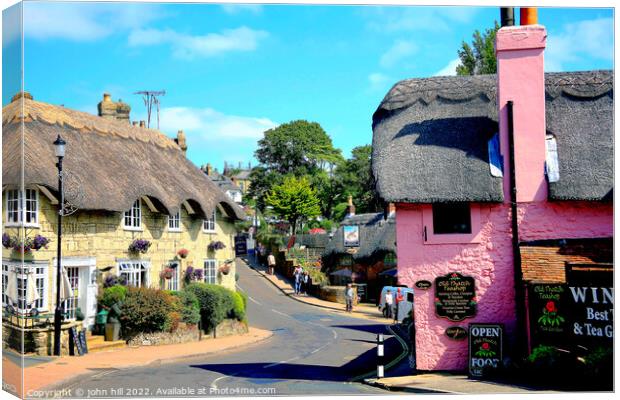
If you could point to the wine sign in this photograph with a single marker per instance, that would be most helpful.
(456, 332)
(455, 297)
(485, 348)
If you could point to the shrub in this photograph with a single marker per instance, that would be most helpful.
(112, 295)
(186, 303)
(145, 310)
(238, 306)
(216, 303)
(112, 280)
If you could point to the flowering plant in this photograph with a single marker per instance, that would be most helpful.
(183, 253)
(113, 280)
(139, 245)
(216, 245)
(36, 243)
(193, 274)
(225, 269)
(167, 273)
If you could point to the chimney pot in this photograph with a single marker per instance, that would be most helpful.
(529, 16)
(107, 97)
(142, 124)
(135, 123)
(181, 141)
(507, 16)
(350, 207)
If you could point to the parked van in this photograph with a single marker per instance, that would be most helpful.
(405, 307)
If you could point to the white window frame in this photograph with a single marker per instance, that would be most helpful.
(134, 269)
(208, 225)
(134, 214)
(210, 271)
(20, 211)
(174, 283)
(39, 271)
(174, 222)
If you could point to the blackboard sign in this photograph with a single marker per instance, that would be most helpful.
(241, 246)
(74, 342)
(456, 332)
(548, 314)
(455, 297)
(485, 348)
(83, 341)
(423, 285)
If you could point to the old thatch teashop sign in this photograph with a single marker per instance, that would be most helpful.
(455, 297)
(485, 348)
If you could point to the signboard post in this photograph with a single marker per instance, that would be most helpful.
(485, 348)
(455, 297)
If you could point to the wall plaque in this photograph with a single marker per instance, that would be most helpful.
(455, 297)
(485, 348)
(456, 332)
(423, 285)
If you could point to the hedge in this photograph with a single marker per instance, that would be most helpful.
(187, 305)
(216, 303)
(146, 310)
(112, 295)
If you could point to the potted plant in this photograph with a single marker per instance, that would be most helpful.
(183, 253)
(139, 246)
(225, 269)
(167, 273)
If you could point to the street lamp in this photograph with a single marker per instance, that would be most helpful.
(59, 146)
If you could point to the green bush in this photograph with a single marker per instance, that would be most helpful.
(112, 295)
(544, 357)
(188, 306)
(238, 306)
(216, 303)
(145, 310)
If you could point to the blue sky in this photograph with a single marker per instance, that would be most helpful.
(231, 72)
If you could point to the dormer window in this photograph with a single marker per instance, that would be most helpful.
(133, 217)
(174, 222)
(22, 207)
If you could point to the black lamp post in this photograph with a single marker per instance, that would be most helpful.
(59, 145)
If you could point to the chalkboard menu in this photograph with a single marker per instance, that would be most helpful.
(485, 348)
(455, 297)
(75, 342)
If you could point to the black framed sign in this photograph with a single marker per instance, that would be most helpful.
(456, 332)
(485, 348)
(455, 297)
(423, 285)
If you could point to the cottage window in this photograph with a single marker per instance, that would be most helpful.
(208, 225)
(346, 260)
(23, 272)
(70, 305)
(210, 271)
(174, 222)
(135, 272)
(173, 283)
(133, 217)
(389, 260)
(449, 218)
(22, 207)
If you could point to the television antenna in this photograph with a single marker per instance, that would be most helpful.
(150, 98)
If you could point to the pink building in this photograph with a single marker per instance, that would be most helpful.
(442, 153)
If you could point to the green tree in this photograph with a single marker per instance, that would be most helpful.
(354, 178)
(294, 200)
(479, 58)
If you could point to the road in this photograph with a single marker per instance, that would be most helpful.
(313, 351)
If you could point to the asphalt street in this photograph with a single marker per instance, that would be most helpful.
(312, 352)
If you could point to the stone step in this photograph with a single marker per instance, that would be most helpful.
(97, 343)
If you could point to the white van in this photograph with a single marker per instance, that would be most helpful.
(405, 307)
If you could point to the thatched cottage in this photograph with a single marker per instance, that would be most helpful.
(504, 179)
(125, 183)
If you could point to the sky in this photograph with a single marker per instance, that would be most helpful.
(231, 72)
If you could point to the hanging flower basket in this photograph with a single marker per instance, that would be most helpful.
(216, 245)
(183, 253)
(139, 246)
(193, 274)
(13, 242)
(167, 273)
(225, 269)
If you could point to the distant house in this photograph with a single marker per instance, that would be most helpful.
(442, 153)
(127, 182)
(242, 179)
(364, 263)
(224, 183)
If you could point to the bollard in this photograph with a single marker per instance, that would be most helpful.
(379, 355)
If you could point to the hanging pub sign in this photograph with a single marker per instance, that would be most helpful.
(455, 297)
(456, 332)
(548, 314)
(241, 245)
(423, 285)
(485, 348)
(351, 235)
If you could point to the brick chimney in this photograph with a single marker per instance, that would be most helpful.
(521, 79)
(142, 124)
(209, 169)
(113, 110)
(350, 208)
(181, 141)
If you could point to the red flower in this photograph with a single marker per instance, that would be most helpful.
(485, 346)
(550, 306)
(436, 299)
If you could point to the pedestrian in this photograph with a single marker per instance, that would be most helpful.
(297, 274)
(271, 263)
(399, 298)
(305, 282)
(348, 295)
(389, 303)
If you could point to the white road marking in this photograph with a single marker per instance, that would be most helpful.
(213, 384)
(280, 362)
(335, 334)
(254, 301)
(281, 313)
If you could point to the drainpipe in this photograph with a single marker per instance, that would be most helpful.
(521, 332)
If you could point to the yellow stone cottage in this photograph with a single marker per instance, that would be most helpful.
(126, 182)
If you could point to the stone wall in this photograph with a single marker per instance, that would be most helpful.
(37, 341)
(191, 333)
(335, 294)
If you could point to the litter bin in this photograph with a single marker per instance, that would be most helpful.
(113, 325)
(100, 320)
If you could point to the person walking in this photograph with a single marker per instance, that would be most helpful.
(298, 277)
(271, 263)
(348, 296)
(389, 303)
(399, 298)
(304, 283)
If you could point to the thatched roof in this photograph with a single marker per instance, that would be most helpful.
(115, 162)
(314, 241)
(430, 138)
(377, 237)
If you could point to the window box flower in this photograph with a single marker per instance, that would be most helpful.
(13, 242)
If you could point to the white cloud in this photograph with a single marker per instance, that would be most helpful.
(378, 81)
(239, 8)
(416, 18)
(84, 21)
(400, 49)
(450, 69)
(213, 126)
(580, 41)
(188, 46)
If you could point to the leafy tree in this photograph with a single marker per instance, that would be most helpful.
(479, 58)
(294, 200)
(354, 178)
